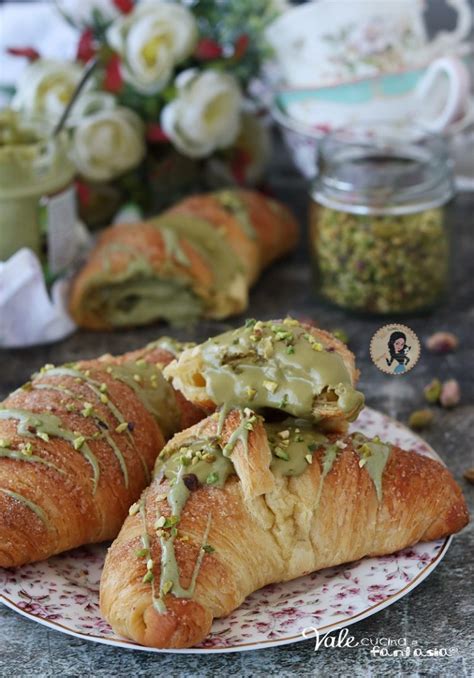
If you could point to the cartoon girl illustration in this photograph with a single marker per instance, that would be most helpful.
(398, 352)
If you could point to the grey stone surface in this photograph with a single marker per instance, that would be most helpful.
(437, 614)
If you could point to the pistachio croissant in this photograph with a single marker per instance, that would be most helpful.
(284, 365)
(77, 444)
(197, 259)
(237, 503)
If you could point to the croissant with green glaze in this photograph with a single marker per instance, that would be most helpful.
(275, 364)
(197, 259)
(77, 445)
(238, 503)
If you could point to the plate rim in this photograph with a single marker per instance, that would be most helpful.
(243, 647)
(262, 644)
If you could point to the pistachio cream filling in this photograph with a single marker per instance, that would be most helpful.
(139, 300)
(277, 365)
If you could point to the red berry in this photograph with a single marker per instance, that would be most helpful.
(155, 133)
(113, 78)
(29, 52)
(125, 6)
(208, 49)
(241, 46)
(86, 48)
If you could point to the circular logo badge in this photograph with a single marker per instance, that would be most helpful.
(395, 349)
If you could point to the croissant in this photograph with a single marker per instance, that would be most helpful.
(284, 365)
(239, 503)
(77, 444)
(197, 259)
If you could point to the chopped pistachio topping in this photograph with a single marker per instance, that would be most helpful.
(78, 442)
(270, 385)
(87, 410)
(44, 436)
(160, 522)
(167, 586)
(141, 553)
(280, 452)
(309, 458)
(207, 548)
(103, 387)
(134, 508)
(171, 521)
(70, 407)
(149, 564)
(212, 478)
(148, 577)
(122, 427)
(103, 398)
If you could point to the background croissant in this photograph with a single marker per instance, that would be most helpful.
(77, 444)
(261, 527)
(198, 258)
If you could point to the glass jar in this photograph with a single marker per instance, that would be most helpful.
(377, 227)
(37, 198)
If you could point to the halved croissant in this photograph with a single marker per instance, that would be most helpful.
(261, 526)
(242, 367)
(198, 258)
(77, 445)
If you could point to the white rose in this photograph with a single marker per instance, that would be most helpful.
(151, 40)
(81, 12)
(108, 143)
(90, 103)
(45, 87)
(205, 115)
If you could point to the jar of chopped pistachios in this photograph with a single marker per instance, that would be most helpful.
(378, 234)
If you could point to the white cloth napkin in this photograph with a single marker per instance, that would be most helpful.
(28, 314)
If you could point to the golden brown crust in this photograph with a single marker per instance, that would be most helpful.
(63, 491)
(273, 533)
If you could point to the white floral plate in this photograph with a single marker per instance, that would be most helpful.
(63, 592)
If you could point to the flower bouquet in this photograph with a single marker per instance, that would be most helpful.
(168, 109)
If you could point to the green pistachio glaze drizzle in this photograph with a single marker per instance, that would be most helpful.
(233, 204)
(22, 454)
(171, 345)
(28, 503)
(292, 443)
(373, 455)
(43, 424)
(152, 389)
(277, 365)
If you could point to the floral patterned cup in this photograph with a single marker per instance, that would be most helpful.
(333, 41)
